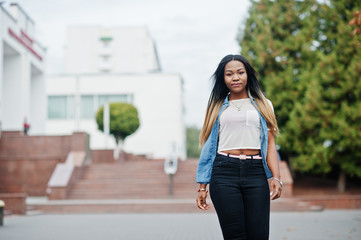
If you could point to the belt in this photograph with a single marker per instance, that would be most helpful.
(241, 156)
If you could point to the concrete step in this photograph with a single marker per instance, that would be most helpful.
(166, 205)
(117, 206)
(291, 204)
(129, 196)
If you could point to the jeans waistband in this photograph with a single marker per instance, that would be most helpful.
(241, 157)
(229, 159)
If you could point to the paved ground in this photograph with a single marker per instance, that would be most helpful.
(330, 225)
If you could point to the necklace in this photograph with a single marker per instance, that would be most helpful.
(238, 107)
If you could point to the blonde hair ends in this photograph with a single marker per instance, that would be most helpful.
(211, 117)
(266, 111)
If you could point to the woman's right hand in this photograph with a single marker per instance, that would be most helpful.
(201, 201)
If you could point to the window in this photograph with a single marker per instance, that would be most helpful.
(71, 107)
(90, 104)
(61, 107)
(106, 40)
(106, 44)
(106, 59)
(113, 98)
(87, 106)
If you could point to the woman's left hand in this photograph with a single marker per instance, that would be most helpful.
(276, 189)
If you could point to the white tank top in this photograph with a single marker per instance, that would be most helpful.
(240, 126)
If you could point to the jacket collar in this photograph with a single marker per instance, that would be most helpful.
(225, 102)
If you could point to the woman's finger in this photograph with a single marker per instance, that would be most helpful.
(201, 201)
(279, 192)
(273, 194)
(204, 202)
(275, 191)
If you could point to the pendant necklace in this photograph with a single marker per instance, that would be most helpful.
(238, 108)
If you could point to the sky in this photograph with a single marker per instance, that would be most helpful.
(191, 36)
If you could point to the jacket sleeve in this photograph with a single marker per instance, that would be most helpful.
(207, 156)
(202, 168)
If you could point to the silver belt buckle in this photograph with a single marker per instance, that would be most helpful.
(242, 157)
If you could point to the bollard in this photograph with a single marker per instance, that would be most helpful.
(2, 206)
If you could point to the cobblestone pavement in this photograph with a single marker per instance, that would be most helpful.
(203, 226)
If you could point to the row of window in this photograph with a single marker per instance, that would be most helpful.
(63, 107)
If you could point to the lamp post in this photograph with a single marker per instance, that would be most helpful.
(170, 168)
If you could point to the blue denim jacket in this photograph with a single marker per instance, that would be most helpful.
(210, 147)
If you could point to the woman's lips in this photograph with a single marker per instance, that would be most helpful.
(236, 85)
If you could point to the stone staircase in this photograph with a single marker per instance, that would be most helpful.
(137, 186)
(140, 179)
(126, 186)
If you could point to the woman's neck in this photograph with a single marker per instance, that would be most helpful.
(236, 96)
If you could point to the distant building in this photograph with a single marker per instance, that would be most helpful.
(110, 50)
(117, 64)
(22, 66)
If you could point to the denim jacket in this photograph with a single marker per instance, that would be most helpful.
(210, 147)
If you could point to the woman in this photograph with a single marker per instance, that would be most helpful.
(239, 152)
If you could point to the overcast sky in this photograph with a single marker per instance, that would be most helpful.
(191, 35)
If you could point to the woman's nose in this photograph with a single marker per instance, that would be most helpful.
(235, 77)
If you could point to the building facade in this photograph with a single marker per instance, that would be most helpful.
(110, 50)
(118, 64)
(22, 67)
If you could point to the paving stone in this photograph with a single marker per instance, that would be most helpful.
(329, 224)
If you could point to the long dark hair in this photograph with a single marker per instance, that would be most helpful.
(220, 92)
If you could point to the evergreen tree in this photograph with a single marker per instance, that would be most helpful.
(310, 66)
(331, 111)
(277, 40)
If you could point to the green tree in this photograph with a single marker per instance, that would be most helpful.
(331, 110)
(309, 65)
(277, 39)
(193, 150)
(356, 21)
(123, 121)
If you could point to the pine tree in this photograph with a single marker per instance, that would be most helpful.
(276, 40)
(331, 111)
(309, 65)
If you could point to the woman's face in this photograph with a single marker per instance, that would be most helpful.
(235, 77)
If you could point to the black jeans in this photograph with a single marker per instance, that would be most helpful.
(240, 194)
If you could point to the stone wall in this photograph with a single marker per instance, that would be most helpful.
(15, 203)
(27, 162)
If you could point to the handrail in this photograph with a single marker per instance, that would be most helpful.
(60, 180)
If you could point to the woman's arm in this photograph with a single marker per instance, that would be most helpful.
(272, 161)
(201, 198)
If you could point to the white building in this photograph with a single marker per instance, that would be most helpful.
(117, 50)
(22, 65)
(117, 65)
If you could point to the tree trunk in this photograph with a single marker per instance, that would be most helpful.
(341, 183)
(118, 150)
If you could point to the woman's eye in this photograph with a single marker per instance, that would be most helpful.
(228, 74)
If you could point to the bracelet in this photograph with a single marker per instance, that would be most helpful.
(281, 183)
(202, 190)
